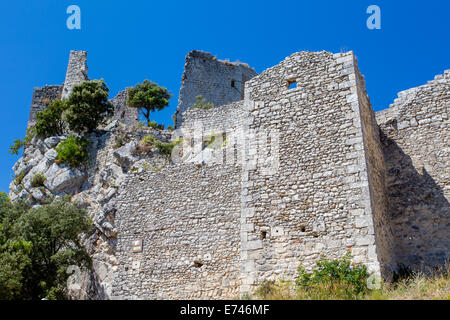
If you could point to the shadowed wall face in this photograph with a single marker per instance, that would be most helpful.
(42, 97)
(415, 136)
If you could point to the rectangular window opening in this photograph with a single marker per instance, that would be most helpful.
(292, 84)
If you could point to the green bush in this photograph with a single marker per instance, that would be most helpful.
(88, 106)
(167, 148)
(200, 103)
(49, 122)
(72, 151)
(346, 279)
(18, 179)
(37, 246)
(38, 180)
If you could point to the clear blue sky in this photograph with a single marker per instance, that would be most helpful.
(129, 41)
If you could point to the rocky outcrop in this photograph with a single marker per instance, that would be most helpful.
(93, 186)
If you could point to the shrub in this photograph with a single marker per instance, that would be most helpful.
(119, 141)
(18, 179)
(20, 143)
(167, 148)
(72, 151)
(50, 121)
(88, 106)
(339, 278)
(153, 124)
(200, 103)
(38, 180)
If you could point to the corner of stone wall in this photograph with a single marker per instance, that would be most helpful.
(379, 237)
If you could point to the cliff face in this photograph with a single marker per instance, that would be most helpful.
(113, 154)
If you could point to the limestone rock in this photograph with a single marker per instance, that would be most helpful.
(64, 178)
(124, 155)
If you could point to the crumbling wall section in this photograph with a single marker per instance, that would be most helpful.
(128, 116)
(415, 136)
(219, 82)
(77, 71)
(42, 97)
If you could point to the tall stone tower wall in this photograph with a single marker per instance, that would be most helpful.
(321, 199)
(415, 138)
(77, 71)
(219, 82)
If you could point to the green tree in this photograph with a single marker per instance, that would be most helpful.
(37, 246)
(49, 122)
(88, 106)
(148, 97)
(20, 143)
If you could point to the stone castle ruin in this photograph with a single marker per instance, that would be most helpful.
(289, 165)
(77, 72)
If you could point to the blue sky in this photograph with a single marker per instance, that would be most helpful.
(129, 41)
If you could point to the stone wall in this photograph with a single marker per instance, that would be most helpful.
(318, 202)
(128, 116)
(42, 97)
(77, 71)
(187, 218)
(415, 137)
(219, 82)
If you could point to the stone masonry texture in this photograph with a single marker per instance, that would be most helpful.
(77, 71)
(290, 165)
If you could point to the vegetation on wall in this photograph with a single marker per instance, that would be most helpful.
(49, 122)
(148, 142)
(200, 103)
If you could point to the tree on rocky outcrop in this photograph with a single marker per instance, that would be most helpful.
(37, 245)
(49, 122)
(88, 106)
(148, 97)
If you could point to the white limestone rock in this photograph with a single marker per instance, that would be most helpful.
(124, 155)
(64, 178)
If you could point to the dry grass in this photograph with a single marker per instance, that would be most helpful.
(416, 287)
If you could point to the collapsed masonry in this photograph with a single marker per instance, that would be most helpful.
(290, 165)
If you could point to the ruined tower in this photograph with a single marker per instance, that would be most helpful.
(219, 82)
(77, 71)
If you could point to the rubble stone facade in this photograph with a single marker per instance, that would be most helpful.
(290, 165)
